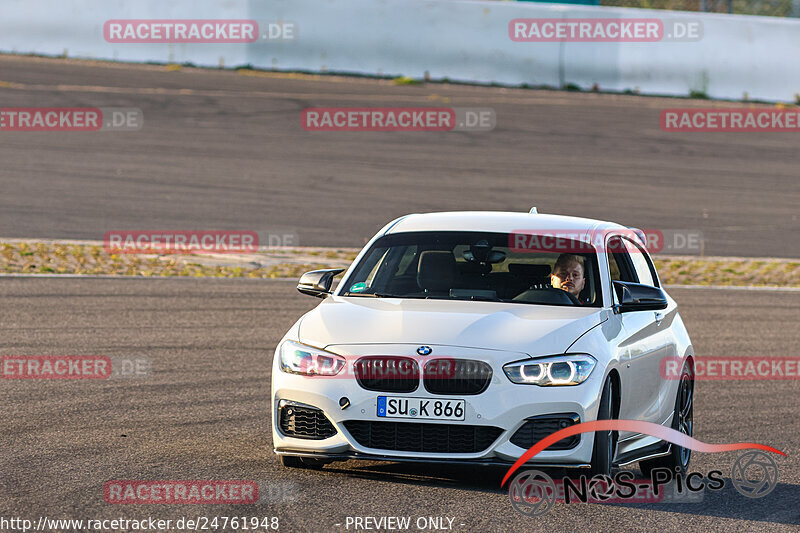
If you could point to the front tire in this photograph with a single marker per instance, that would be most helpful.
(683, 421)
(605, 442)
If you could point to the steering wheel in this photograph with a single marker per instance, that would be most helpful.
(574, 299)
(547, 296)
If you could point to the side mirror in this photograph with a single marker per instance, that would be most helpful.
(318, 282)
(638, 297)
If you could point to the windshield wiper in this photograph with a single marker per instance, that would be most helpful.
(479, 298)
(371, 294)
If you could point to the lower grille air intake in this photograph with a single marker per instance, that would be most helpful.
(539, 427)
(304, 423)
(419, 437)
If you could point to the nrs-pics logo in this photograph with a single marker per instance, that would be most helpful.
(754, 474)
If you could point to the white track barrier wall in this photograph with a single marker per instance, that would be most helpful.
(456, 39)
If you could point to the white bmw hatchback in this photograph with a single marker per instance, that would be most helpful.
(468, 337)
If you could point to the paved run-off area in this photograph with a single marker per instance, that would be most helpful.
(203, 413)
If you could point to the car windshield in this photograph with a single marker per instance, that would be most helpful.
(475, 266)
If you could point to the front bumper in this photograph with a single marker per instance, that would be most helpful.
(503, 404)
(325, 457)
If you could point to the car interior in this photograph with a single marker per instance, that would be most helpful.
(475, 272)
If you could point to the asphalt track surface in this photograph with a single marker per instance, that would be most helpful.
(221, 150)
(203, 413)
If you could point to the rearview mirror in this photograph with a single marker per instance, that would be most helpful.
(318, 282)
(481, 252)
(638, 297)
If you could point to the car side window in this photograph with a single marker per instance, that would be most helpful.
(619, 261)
(613, 268)
(640, 263)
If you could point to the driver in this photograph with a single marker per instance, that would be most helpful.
(568, 274)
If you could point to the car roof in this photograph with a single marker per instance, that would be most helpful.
(496, 222)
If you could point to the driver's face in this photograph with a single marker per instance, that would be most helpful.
(569, 277)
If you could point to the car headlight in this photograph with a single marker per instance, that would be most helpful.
(551, 371)
(296, 358)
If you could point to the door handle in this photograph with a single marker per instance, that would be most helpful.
(659, 317)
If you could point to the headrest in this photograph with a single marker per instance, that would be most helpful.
(526, 270)
(437, 270)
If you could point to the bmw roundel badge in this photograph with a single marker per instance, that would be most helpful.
(424, 350)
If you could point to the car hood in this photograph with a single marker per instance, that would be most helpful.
(527, 328)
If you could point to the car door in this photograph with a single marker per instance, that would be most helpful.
(664, 402)
(644, 341)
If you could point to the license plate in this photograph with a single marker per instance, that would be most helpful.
(423, 408)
